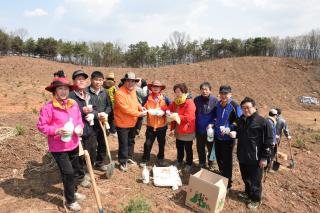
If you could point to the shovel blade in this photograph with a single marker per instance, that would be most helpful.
(275, 166)
(292, 164)
(110, 169)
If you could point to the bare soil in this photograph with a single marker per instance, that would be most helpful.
(30, 181)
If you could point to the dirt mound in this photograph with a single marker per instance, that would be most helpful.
(28, 174)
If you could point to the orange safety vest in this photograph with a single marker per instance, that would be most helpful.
(154, 120)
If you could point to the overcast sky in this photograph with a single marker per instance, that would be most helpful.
(130, 21)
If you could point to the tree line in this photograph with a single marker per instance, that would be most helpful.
(176, 50)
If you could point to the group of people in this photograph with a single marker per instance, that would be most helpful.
(124, 107)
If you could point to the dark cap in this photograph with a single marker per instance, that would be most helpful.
(225, 89)
(79, 72)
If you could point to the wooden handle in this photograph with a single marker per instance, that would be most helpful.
(106, 140)
(94, 185)
(290, 149)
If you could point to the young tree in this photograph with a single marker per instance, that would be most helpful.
(29, 46)
(16, 45)
(4, 43)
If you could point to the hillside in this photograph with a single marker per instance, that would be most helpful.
(29, 181)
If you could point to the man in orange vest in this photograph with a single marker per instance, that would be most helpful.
(156, 122)
(126, 112)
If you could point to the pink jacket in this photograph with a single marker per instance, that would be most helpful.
(51, 118)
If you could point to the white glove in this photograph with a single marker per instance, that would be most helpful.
(157, 112)
(78, 130)
(103, 116)
(233, 134)
(289, 137)
(225, 130)
(143, 113)
(90, 118)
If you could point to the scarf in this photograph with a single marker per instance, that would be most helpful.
(65, 105)
(182, 99)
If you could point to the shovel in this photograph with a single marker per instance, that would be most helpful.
(111, 165)
(94, 185)
(276, 164)
(292, 162)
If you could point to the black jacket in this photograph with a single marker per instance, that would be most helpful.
(87, 129)
(101, 102)
(254, 139)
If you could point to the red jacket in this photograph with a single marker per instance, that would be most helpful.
(186, 113)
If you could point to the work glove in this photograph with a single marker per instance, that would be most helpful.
(224, 130)
(102, 116)
(90, 119)
(78, 130)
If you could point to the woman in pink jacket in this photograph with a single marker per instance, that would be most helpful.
(60, 119)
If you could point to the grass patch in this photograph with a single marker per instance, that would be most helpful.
(20, 130)
(300, 143)
(317, 137)
(34, 111)
(138, 205)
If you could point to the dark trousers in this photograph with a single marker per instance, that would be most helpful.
(252, 176)
(126, 143)
(184, 146)
(224, 153)
(202, 143)
(70, 170)
(138, 125)
(90, 144)
(101, 146)
(151, 135)
(111, 123)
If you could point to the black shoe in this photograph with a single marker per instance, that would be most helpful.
(161, 163)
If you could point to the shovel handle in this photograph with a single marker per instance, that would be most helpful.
(105, 139)
(291, 156)
(94, 185)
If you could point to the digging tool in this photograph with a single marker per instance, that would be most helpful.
(111, 165)
(276, 164)
(94, 185)
(292, 162)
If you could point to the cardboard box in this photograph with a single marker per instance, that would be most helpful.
(206, 191)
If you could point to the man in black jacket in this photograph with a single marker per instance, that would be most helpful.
(254, 148)
(102, 102)
(81, 96)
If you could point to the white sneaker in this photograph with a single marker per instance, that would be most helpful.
(74, 206)
(132, 162)
(85, 183)
(142, 164)
(87, 177)
(124, 167)
(79, 197)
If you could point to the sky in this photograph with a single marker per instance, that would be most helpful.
(131, 21)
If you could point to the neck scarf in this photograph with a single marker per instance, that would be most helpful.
(64, 104)
(181, 100)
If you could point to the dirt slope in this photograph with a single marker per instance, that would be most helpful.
(29, 184)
